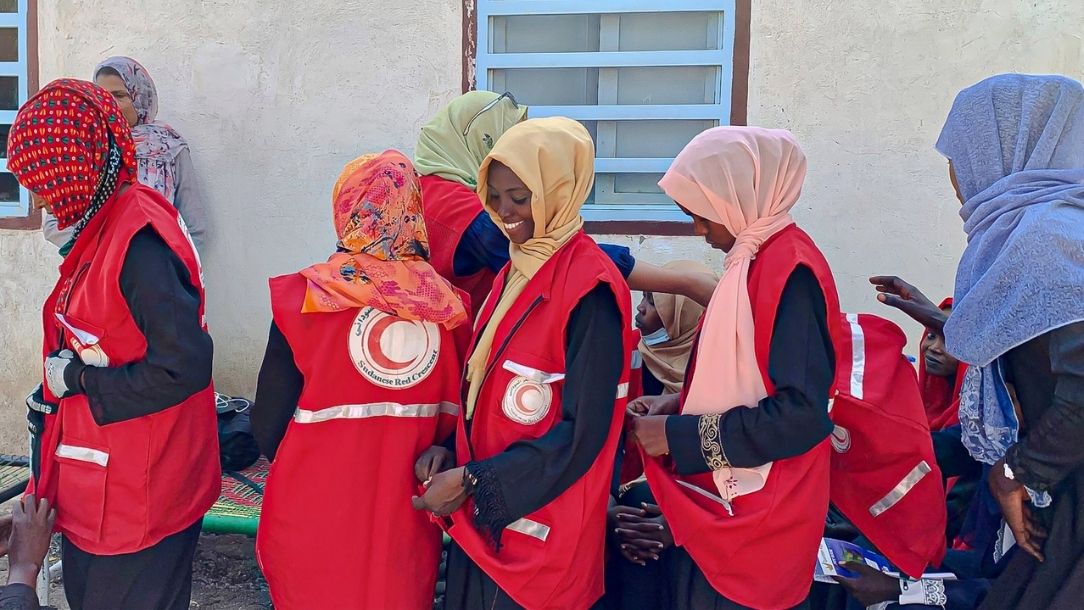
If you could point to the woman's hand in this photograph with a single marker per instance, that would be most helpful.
(444, 494)
(667, 404)
(1016, 509)
(432, 461)
(897, 293)
(643, 534)
(871, 586)
(31, 529)
(650, 432)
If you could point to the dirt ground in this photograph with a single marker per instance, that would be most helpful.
(224, 576)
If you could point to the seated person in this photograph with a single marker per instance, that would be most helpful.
(939, 377)
(669, 325)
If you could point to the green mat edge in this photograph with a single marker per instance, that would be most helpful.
(227, 524)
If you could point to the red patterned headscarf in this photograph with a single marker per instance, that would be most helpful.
(383, 257)
(71, 146)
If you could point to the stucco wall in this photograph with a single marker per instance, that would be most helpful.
(274, 97)
(274, 100)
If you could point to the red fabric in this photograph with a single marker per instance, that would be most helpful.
(449, 208)
(941, 395)
(881, 437)
(58, 144)
(632, 466)
(564, 571)
(162, 470)
(764, 555)
(337, 529)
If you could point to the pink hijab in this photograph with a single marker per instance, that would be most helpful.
(746, 179)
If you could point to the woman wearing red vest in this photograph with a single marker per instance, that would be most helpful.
(129, 450)
(468, 247)
(546, 386)
(741, 474)
(361, 375)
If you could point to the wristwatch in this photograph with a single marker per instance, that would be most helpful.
(1008, 472)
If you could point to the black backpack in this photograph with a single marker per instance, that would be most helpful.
(236, 444)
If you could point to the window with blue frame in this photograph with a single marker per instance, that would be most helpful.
(14, 201)
(643, 76)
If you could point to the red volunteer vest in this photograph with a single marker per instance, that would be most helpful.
(553, 557)
(762, 556)
(449, 208)
(885, 477)
(337, 528)
(124, 487)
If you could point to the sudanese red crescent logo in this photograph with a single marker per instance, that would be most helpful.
(841, 439)
(393, 352)
(526, 401)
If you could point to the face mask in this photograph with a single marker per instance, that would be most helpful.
(656, 338)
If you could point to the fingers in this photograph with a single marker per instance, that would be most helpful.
(651, 509)
(646, 527)
(1035, 531)
(629, 513)
(1013, 512)
(883, 282)
(418, 503)
(640, 540)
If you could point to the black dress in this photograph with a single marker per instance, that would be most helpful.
(530, 474)
(1048, 376)
(801, 364)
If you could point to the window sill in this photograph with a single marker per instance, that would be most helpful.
(22, 223)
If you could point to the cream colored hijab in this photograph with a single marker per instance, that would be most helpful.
(680, 317)
(555, 158)
(746, 179)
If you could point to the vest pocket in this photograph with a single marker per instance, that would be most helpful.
(531, 390)
(81, 488)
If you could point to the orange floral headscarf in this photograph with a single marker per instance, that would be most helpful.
(383, 254)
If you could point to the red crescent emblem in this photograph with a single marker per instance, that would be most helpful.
(377, 353)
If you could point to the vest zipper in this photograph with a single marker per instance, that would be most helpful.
(511, 333)
(64, 298)
(497, 355)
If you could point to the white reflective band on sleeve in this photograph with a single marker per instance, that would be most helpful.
(530, 374)
(858, 356)
(623, 390)
(375, 409)
(708, 495)
(637, 359)
(900, 490)
(83, 454)
(530, 528)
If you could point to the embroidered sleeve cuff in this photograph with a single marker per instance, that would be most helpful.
(711, 444)
(490, 510)
(926, 592)
(1016, 459)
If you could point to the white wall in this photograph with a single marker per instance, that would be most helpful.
(275, 98)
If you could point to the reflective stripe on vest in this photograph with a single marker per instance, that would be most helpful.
(623, 390)
(530, 528)
(375, 409)
(900, 490)
(858, 356)
(82, 454)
